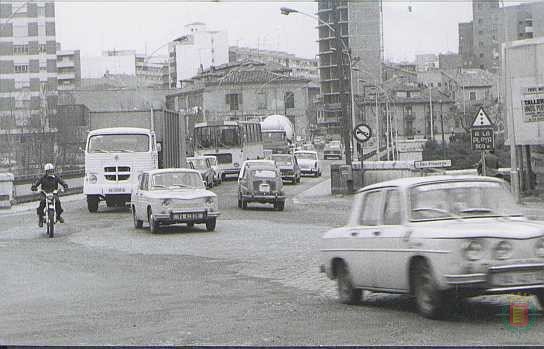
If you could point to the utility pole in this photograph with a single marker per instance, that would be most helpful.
(346, 132)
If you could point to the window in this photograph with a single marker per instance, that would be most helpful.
(472, 96)
(43, 48)
(21, 68)
(234, 100)
(20, 49)
(371, 208)
(408, 94)
(481, 55)
(289, 99)
(480, 21)
(261, 100)
(481, 44)
(392, 209)
(19, 84)
(41, 11)
(20, 31)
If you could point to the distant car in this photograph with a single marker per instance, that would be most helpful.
(261, 182)
(437, 238)
(172, 196)
(218, 172)
(203, 165)
(288, 165)
(333, 149)
(308, 161)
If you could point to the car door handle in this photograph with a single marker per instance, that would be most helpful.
(354, 233)
(377, 232)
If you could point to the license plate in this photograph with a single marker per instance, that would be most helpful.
(190, 216)
(265, 188)
(116, 190)
(518, 278)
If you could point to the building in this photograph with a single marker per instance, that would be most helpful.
(426, 62)
(68, 69)
(466, 44)
(361, 31)
(195, 51)
(449, 61)
(152, 71)
(28, 82)
(304, 67)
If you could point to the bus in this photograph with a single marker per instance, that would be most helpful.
(231, 142)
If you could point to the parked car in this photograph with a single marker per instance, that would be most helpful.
(308, 162)
(218, 172)
(436, 238)
(288, 165)
(203, 165)
(333, 149)
(261, 182)
(172, 196)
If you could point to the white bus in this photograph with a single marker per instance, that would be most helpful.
(231, 142)
(114, 159)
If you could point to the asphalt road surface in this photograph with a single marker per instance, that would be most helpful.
(254, 281)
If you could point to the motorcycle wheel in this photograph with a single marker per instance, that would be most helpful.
(51, 223)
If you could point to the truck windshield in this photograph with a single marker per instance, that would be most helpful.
(115, 143)
(217, 137)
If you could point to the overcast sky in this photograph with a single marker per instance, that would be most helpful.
(431, 26)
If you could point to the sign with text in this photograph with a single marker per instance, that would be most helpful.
(482, 138)
(532, 103)
(432, 164)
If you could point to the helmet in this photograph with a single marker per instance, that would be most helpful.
(49, 167)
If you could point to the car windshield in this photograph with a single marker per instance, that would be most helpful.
(306, 156)
(213, 161)
(118, 143)
(461, 199)
(199, 164)
(283, 160)
(264, 173)
(171, 180)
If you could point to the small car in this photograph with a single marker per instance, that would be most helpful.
(172, 196)
(436, 238)
(333, 149)
(261, 182)
(218, 172)
(308, 162)
(203, 165)
(288, 165)
(262, 162)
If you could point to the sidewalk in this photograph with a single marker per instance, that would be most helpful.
(31, 206)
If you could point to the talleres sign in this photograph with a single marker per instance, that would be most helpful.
(532, 103)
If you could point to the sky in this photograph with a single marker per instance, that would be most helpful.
(430, 26)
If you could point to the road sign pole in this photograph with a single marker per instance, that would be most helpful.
(484, 171)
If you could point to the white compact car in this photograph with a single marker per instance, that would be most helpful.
(218, 172)
(172, 196)
(308, 161)
(437, 238)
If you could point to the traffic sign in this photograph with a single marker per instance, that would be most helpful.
(482, 138)
(432, 164)
(362, 133)
(481, 119)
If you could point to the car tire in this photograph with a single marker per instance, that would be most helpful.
(430, 301)
(138, 224)
(244, 204)
(294, 181)
(540, 297)
(153, 225)
(347, 294)
(210, 224)
(190, 224)
(239, 203)
(92, 204)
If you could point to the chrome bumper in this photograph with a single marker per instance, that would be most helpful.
(169, 217)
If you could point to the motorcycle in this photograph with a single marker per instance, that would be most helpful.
(50, 212)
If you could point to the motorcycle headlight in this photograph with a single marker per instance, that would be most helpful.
(503, 250)
(91, 178)
(539, 248)
(166, 202)
(473, 250)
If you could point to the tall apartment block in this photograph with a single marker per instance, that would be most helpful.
(68, 69)
(360, 25)
(28, 64)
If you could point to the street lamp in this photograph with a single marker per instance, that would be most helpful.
(346, 118)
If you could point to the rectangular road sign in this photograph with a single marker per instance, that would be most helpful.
(482, 139)
(432, 164)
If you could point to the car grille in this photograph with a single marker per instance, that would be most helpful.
(179, 204)
(117, 173)
(286, 172)
(256, 184)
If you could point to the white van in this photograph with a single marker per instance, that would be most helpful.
(114, 159)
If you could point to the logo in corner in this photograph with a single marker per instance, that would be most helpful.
(520, 314)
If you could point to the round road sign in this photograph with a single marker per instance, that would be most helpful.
(362, 133)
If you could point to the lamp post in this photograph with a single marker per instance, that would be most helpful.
(346, 119)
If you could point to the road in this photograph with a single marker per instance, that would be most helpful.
(254, 281)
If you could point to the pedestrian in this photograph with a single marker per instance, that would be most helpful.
(491, 164)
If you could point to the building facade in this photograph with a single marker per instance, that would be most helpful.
(449, 61)
(426, 62)
(197, 50)
(68, 69)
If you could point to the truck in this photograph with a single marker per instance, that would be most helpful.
(278, 134)
(117, 155)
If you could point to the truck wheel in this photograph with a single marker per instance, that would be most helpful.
(153, 225)
(210, 224)
(138, 224)
(92, 203)
(279, 205)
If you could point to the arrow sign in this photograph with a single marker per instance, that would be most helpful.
(362, 133)
(481, 119)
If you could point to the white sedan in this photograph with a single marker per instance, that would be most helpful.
(171, 196)
(436, 238)
(308, 161)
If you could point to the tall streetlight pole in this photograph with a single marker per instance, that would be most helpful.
(346, 119)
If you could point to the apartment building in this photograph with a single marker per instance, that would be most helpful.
(68, 69)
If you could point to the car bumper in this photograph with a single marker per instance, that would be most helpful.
(263, 198)
(172, 217)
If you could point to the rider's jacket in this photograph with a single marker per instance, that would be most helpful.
(49, 183)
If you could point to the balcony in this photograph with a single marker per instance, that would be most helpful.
(65, 64)
(66, 76)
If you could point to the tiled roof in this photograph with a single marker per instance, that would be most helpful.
(254, 76)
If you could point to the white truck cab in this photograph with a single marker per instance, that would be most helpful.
(114, 159)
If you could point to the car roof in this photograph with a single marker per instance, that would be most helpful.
(305, 151)
(412, 181)
(171, 170)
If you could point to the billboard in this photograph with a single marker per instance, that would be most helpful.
(532, 102)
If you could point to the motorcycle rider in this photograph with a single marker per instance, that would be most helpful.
(49, 183)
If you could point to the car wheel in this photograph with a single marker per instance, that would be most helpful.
(280, 205)
(137, 223)
(239, 203)
(153, 225)
(540, 296)
(347, 294)
(294, 181)
(429, 300)
(244, 204)
(92, 204)
(190, 224)
(210, 224)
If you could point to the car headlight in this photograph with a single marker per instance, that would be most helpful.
(210, 203)
(503, 250)
(539, 248)
(473, 250)
(166, 202)
(92, 178)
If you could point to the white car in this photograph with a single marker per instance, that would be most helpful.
(218, 172)
(171, 196)
(436, 238)
(308, 161)
(267, 163)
